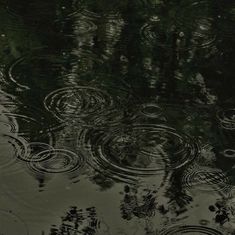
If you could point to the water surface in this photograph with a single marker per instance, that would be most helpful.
(117, 117)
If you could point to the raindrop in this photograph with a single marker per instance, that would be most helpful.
(196, 33)
(26, 127)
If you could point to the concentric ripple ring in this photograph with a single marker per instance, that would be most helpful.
(227, 119)
(139, 150)
(77, 102)
(12, 224)
(56, 161)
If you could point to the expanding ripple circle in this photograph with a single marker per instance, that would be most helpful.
(190, 229)
(206, 179)
(56, 161)
(77, 102)
(139, 150)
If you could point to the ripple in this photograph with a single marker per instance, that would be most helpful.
(190, 229)
(151, 32)
(12, 76)
(25, 72)
(28, 9)
(12, 148)
(227, 119)
(11, 224)
(56, 161)
(7, 99)
(229, 153)
(151, 110)
(77, 25)
(84, 26)
(202, 177)
(138, 150)
(34, 149)
(26, 126)
(188, 26)
(77, 102)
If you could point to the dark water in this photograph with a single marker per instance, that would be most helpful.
(117, 117)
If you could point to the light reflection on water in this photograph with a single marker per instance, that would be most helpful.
(117, 118)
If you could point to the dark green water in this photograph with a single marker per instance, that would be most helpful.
(117, 117)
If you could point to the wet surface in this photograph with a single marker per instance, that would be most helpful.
(117, 117)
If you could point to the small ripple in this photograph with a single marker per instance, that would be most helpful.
(206, 179)
(154, 33)
(56, 161)
(229, 153)
(186, 27)
(77, 102)
(227, 119)
(136, 151)
(190, 229)
(12, 224)
(26, 126)
(25, 72)
(151, 110)
(12, 77)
